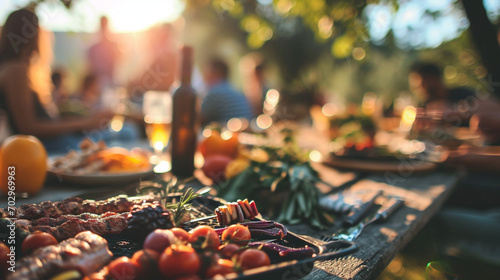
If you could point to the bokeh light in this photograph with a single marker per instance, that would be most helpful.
(358, 53)
(264, 121)
(235, 124)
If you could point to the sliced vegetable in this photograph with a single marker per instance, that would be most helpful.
(283, 252)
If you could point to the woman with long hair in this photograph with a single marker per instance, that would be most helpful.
(25, 85)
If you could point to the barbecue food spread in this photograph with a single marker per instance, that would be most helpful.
(170, 252)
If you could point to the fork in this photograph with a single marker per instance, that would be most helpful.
(382, 214)
(324, 246)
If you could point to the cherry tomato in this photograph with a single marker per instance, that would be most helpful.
(202, 234)
(123, 268)
(215, 167)
(181, 234)
(4, 250)
(252, 258)
(178, 261)
(159, 239)
(216, 145)
(238, 234)
(222, 267)
(228, 250)
(147, 263)
(37, 240)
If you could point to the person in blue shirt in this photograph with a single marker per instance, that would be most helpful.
(223, 102)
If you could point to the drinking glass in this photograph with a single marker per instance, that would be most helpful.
(157, 109)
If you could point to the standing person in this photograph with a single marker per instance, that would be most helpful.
(161, 72)
(21, 88)
(223, 101)
(103, 55)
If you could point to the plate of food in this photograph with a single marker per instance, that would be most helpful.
(96, 164)
(150, 237)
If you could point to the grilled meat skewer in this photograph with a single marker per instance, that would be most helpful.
(87, 253)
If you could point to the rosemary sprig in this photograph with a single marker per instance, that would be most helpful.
(162, 189)
(184, 205)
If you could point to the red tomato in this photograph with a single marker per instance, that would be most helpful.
(37, 240)
(200, 234)
(252, 258)
(190, 277)
(123, 268)
(215, 167)
(238, 234)
(181, 234)
(227, 251)
(222, 267)
(179, 261)
(158, 240)
(4, 250)
(216, 145)
(147, 263)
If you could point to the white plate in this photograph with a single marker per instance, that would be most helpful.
(101, 179)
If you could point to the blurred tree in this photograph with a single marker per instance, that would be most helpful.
(344, 26)
(300, 34)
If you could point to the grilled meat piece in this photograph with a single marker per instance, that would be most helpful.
(87, 253)
(74, 206)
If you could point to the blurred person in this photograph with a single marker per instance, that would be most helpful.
(22, 86)
(222, 101)
(59, 88)
(91, 92)
(426, 81)
(84, 102)
(162, 71)
(254, 82)
(103, 55)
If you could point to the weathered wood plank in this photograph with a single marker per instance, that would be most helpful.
(379, 243)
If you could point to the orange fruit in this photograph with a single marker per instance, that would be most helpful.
(29, 158)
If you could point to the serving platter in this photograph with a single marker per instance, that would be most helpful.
(373, 165)
(101, 179)
(122, 245)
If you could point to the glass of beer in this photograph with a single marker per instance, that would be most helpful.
(157, 108)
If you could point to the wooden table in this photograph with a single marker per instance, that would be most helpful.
(378, 244)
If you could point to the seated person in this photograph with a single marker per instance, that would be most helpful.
(223, 101)
(426, 81)
(20, 92)
(487, 122)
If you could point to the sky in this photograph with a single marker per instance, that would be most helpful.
(412, 25)
(124, 15)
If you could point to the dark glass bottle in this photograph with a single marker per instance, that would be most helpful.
(184, 120)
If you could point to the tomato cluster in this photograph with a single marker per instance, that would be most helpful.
(177, 254)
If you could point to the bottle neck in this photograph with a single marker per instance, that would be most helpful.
(187, 65)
